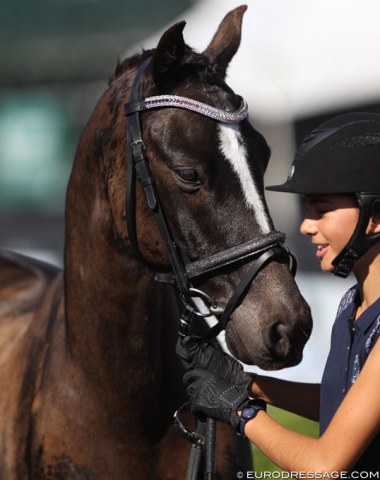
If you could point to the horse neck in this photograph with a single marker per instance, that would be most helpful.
(113, 305)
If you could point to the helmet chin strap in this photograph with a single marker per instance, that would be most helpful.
(360, 242)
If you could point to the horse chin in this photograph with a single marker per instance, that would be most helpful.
(259, 357)
(272, 364)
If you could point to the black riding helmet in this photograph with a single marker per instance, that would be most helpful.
(342, 156)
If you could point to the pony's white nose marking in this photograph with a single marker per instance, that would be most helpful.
(233, 148)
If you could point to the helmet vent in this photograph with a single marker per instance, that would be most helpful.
(365, 140)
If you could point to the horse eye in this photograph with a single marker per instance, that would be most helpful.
(188, 175)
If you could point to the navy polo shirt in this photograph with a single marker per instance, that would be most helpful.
(351, 342)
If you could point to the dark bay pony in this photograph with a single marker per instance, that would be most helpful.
(89, 378)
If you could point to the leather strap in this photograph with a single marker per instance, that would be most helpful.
(136, 149)
(243, 286)
(237, 254)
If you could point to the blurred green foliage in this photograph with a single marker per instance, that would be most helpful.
(57, 56)
(67, 40)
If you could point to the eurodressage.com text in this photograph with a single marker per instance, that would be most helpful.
(306, 475)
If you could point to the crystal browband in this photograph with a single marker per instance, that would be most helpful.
(176, 101)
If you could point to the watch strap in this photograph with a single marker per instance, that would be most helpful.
(248, 413)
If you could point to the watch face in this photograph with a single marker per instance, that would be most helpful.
(248, 413)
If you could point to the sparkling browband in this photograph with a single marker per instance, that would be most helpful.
(235, 116)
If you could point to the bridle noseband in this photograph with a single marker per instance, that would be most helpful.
(260, 251)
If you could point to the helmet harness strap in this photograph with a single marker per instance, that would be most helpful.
(359, 242)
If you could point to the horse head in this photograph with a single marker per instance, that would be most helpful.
(208, 176)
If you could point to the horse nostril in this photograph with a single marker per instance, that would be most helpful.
(279, 339)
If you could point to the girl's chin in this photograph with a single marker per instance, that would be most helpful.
(327, 266)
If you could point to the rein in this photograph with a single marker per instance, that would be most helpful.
(259, 251)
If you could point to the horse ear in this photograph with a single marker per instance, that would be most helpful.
(226, 40)
(169, 51)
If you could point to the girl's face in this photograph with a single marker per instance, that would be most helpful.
(330, 221)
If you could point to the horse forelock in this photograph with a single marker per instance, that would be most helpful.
(192, 66)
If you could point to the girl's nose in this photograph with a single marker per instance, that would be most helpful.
(308, 227)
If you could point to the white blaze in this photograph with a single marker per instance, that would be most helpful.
(234, 150)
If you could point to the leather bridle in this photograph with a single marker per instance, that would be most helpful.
(260, 251)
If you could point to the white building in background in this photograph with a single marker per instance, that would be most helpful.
(298, 60)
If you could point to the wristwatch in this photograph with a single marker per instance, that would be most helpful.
(249, 412)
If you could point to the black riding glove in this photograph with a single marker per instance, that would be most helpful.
(215, 397)
(194, 352)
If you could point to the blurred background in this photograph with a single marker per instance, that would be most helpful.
(56, 58)
(299, 63)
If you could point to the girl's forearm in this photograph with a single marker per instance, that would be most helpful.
(299, 398)
(291, 451)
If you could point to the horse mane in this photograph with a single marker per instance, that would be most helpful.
(122, 66)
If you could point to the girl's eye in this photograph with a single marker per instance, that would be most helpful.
(188, 175)
(322, 209)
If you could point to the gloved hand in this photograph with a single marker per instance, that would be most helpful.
(194, 352)
(215, 397)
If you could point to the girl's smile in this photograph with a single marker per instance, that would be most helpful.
(321, 250)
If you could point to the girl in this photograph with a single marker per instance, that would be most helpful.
(337, 169)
